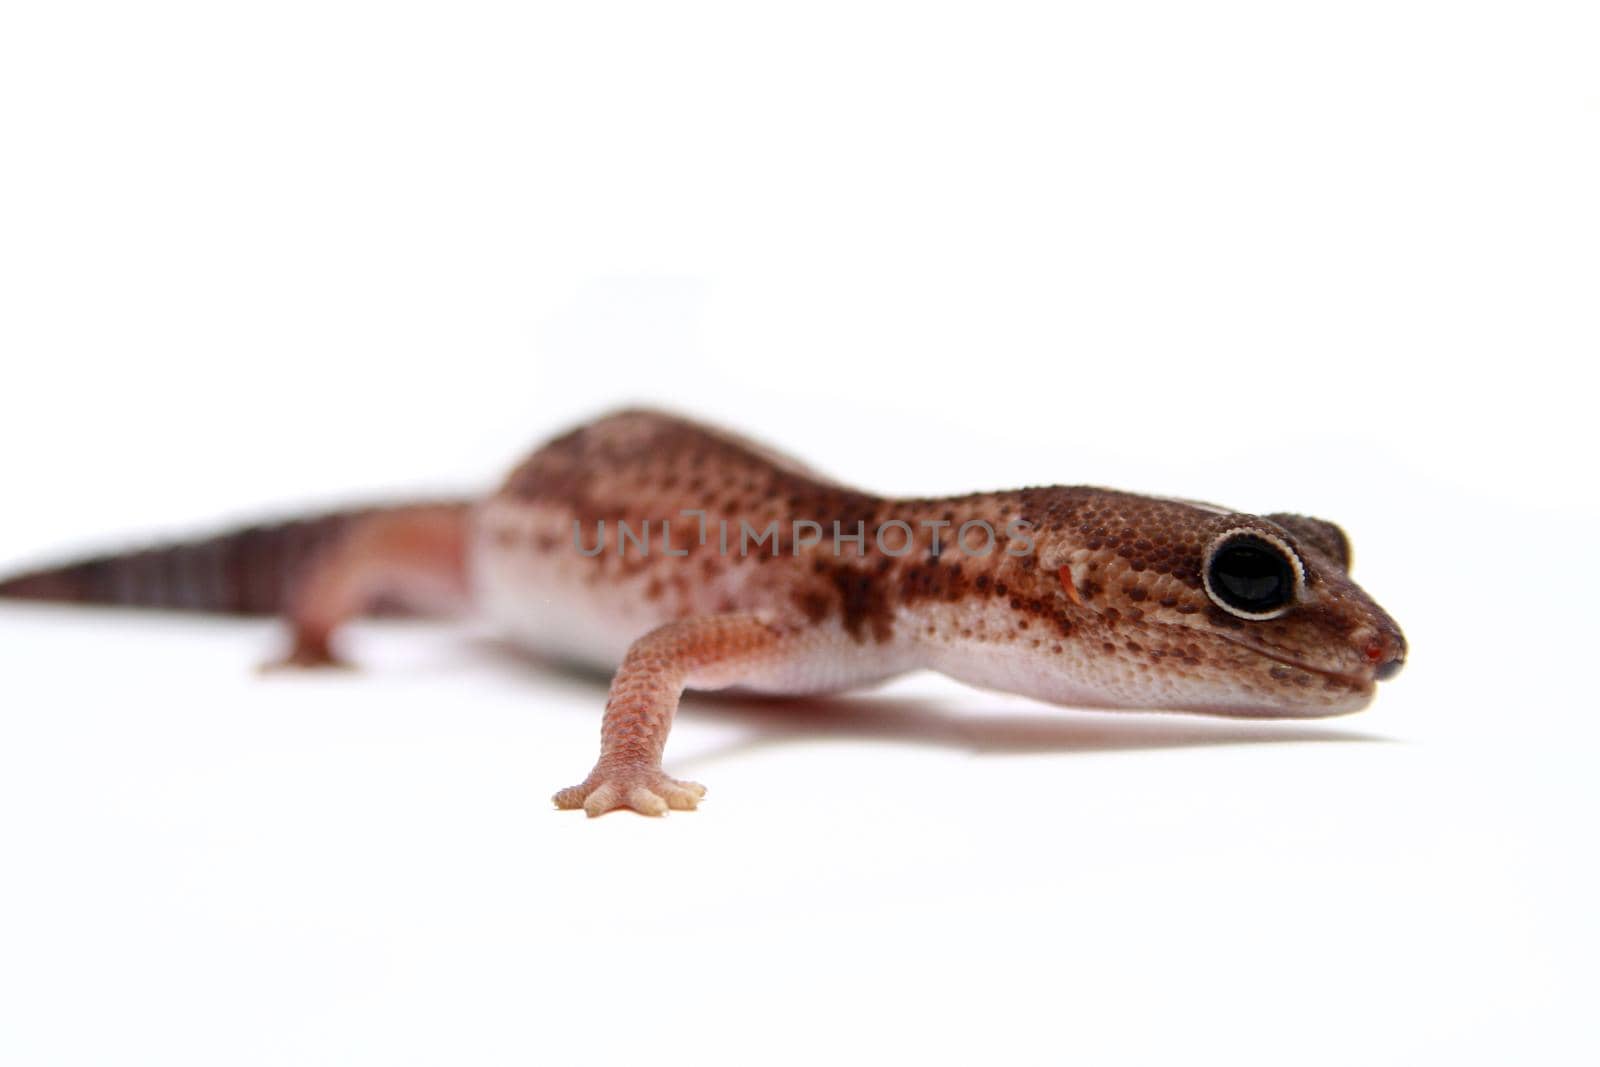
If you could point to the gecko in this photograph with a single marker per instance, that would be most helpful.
(684, 557)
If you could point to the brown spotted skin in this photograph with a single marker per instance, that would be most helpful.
(1086, 596)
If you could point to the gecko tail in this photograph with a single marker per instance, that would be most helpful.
(253, 570)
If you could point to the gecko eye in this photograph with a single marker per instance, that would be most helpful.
(1252, 575)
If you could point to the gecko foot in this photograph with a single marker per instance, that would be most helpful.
(644, 789)
(304, 655)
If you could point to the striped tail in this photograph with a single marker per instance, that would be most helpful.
(250, 571)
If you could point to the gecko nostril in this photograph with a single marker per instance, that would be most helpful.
(1387, 655)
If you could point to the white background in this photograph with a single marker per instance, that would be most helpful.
(1333, 258)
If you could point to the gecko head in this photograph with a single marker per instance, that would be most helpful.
(1232, 613)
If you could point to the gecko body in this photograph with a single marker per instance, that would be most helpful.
(683, 556)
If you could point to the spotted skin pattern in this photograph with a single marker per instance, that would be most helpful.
(685, 557)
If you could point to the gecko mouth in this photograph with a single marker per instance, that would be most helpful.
(1361, 683)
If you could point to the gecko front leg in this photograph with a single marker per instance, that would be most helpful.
(706, 652)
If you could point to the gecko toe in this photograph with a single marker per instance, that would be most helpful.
(684, 796)
(301, 659)
(645, 801)
(602, 800)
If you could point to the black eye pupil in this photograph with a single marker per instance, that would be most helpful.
(1252, 576)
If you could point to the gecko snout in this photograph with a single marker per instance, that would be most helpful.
(1387, 654)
